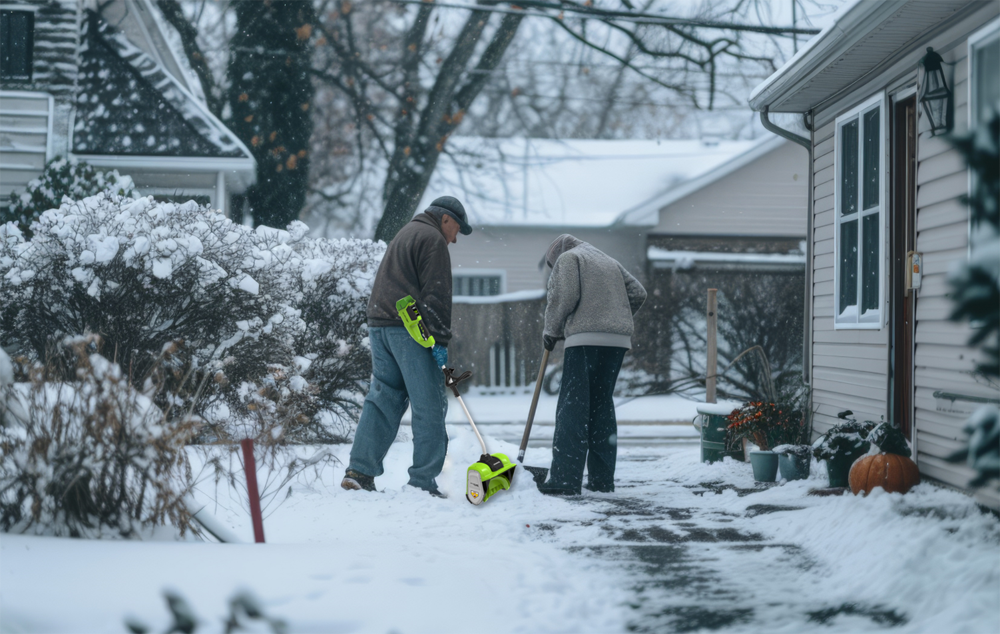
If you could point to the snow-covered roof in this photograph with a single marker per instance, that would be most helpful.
(571, 182)
(128, 104)
(647, 212)
(689, 259)
(864, 35)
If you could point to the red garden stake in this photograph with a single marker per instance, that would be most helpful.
(250, 468)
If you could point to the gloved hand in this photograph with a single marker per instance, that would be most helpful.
(440, 355)
(550, 342)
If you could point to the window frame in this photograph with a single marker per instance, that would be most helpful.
(29, 12)
(856, 322)
(977, 39)
(501, 273)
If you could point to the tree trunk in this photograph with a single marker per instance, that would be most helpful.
(417, 151)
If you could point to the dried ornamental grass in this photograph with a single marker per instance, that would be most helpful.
(89, 457)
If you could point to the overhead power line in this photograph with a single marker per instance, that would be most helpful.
(609, 15)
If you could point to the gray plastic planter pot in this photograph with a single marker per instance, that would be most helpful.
(765, 465)
(794, 467)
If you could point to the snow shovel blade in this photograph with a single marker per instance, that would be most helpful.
(538, 474)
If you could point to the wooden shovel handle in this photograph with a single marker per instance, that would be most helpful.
(534, 404)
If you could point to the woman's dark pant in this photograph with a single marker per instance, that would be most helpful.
(585, 419)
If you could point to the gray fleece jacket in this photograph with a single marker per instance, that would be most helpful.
(591, 297)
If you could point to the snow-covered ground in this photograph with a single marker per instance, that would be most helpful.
(680, 546)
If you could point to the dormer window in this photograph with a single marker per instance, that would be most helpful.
(17, 30)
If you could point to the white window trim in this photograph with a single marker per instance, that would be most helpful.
(872, 322)
(983, 36)
(502, 273)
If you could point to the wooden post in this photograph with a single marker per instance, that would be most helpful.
(250, 469)
(711, 366)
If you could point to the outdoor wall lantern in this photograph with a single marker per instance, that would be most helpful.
(934, 94)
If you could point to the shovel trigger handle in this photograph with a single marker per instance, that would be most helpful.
(452, 381)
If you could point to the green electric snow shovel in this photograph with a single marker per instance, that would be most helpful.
(493, 472)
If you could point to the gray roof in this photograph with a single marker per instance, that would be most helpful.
(128, 104)
(866, 36)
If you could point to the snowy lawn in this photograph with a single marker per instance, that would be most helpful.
(680, 546)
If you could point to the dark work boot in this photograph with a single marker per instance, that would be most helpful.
(354, 481)
(549, 488)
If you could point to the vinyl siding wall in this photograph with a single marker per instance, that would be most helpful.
(30, 132)
(850, 367)
(765, 198)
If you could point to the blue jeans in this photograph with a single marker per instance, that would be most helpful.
(586, 427)
(402, 370)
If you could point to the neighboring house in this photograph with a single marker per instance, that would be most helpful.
(739, 228)
(608, 193)
(108, 83)
(884, 187)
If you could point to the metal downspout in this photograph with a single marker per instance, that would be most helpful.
(807, 304)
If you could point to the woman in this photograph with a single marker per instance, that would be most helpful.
(591, 301)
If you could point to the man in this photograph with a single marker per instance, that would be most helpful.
(416, 264)
(591, 302)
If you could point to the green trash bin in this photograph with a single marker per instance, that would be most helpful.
(713, 433)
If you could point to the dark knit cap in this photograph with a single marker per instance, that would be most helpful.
(450, 205)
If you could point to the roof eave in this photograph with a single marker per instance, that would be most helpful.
(855, 23)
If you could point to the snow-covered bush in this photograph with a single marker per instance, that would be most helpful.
(62, 177)
(975, 285)
(150, 277)
(256, 328)
(334, 352)
(88, 457)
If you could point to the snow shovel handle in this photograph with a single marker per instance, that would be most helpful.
(534, 404)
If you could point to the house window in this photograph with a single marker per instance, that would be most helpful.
(16, 43)
(478, 283)
(984, 99)
(858, 211)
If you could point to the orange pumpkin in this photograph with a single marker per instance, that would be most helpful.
(892, 472)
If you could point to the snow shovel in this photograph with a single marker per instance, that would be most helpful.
(493, 472)
(537, 473)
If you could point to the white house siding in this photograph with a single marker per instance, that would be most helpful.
(942, 360)
(517, 250)
(25, 134)
(767, 197)
(34, 129)
(850, 367)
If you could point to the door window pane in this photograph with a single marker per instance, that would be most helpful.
(848, 264)
(869, 263)
(849, 168)
(870, 193)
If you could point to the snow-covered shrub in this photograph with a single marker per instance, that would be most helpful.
(975, 285)
(261, 328)
(62, 177)
(154, 279)
(844, 438)
(334, 352)
(88, 457)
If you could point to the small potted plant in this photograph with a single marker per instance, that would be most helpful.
(765, 425)
(842, 445)
(794, 461)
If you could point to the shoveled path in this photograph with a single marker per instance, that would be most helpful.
(697, 566)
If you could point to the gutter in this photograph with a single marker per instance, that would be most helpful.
(807, 304)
